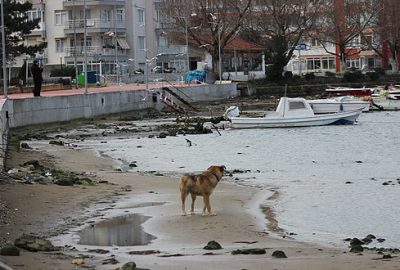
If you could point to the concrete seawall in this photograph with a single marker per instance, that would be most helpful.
(52, 109)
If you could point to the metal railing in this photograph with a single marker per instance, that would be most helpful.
(94, 23)
(92, 51)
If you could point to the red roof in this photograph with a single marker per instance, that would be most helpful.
(243, 45)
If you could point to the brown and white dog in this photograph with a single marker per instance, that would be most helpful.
(200, 185)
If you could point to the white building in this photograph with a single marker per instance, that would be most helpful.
(120, 34)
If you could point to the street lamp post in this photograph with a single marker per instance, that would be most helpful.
(85, 45)
(187, 45)
(117, 66)
(186, 41)
(74, 50)
(3, 45)
(147, 72)
(219, 55)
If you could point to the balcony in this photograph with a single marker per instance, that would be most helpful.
(72, 3)
(93, 51)
(41, 31)
(172, 50)
(93, 26)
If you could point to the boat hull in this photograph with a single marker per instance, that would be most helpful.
(323, 106)
(350, 91)
(345, 118)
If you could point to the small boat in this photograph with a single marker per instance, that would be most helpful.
(390, 92)
(393, 92)
(291, 112)
(338, 104)
(340, 91)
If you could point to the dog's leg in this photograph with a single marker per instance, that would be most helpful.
(207, 206)
(183, 199)
(192, 206)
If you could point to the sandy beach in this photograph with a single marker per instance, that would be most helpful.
(51, 210)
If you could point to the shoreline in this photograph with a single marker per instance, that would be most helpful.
(240, 224)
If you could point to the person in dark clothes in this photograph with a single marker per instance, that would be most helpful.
(36, 71)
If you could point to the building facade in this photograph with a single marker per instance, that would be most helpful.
(119, 35)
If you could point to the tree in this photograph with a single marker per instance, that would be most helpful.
(386, 33)
(209, 24)
(283, 23)
(341, 24)
(17, 27)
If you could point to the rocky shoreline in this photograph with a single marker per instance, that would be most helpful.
(55, 176)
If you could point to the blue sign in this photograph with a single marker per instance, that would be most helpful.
(302, 47)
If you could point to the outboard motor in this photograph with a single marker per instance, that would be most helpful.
(232, 111)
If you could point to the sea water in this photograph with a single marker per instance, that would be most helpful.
(334, 182)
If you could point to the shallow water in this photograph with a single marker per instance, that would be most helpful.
(334, 181)
(119, 231)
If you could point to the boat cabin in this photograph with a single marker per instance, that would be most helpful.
(294, 107)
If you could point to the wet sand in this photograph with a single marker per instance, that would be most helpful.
(240, 223)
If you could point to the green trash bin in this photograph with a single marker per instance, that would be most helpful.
(81, 78)
(91, 77)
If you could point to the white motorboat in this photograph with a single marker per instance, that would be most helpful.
(338, 104)
(340, 91)
(291, 112)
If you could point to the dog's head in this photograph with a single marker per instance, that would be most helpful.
(218, 171)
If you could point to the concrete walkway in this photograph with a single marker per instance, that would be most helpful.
(81, 91)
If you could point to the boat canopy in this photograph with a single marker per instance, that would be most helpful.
(294, 107)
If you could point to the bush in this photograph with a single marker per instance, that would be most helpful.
(309, 76)
(373, 76)
(330, 74)
(288, 75)
(355, 76)
(68, 71)
(64, 81)
(380, 71)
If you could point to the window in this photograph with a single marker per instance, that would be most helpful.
(296, 105)
(60, 43)
(141, 43)
(107, 42)
(140, 14)
(34, 14)
(119, 16)
(355, 42)
(105, 15)
(160, 17)
(88, 42)
(318, 64)
(353, 63)
(60, 16)
(82, 15)
(162, 41)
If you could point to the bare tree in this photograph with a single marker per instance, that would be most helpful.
(342, 23)
(386, 30)
(211, 24)
(283, 23)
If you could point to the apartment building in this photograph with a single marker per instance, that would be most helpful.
(120, 35)
(311, 56)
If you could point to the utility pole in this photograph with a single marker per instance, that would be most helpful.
(74, 50)
(187, 44)
(117, 68)
(85, 47)
(3, 45)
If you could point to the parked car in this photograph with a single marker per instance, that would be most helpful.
(160, 69)
(157, 69)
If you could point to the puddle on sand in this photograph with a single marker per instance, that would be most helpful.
(120, 231)
(140, 205)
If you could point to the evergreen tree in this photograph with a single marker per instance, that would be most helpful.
(17, 27)
(276, 57)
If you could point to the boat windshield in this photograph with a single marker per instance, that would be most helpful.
(296, 105)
